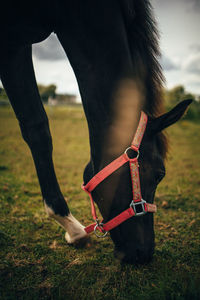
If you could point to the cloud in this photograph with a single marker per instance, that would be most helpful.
(50, 49)
(189, 6)
(195, 48)
(194, 4)
(167, 64)
(192, 63)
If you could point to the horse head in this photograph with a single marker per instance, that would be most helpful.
(134, 238)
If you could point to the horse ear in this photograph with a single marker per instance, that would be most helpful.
(169, 118)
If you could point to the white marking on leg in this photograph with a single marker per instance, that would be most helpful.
(75, 230)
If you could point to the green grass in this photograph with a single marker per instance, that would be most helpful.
(36, 262)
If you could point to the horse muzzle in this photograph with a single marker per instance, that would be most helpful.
(134, 256)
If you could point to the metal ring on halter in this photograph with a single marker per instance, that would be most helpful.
(130, 148)
(104, 233)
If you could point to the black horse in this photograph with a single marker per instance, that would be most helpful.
(113, 49)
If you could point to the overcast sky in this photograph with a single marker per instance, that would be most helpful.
(179, 25)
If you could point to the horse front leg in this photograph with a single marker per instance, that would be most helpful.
(18, 78)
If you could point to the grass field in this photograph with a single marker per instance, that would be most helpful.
(36, 262)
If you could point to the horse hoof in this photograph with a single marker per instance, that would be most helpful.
(79, 242)
(84, 242)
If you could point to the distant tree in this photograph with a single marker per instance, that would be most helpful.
(47, 91)
(177, 94)
(193, 112)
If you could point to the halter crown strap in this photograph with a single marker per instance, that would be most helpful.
(140, 131)
(135, 178)
(134, 167)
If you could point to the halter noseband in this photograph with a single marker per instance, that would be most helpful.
(138, 206)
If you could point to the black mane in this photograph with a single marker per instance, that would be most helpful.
(143, 38)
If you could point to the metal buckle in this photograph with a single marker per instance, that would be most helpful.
(104, 233)
(134, 204)
(130, 148)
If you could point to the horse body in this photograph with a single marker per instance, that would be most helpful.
(112, 47)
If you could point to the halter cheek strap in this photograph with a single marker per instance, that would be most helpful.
(138, 206)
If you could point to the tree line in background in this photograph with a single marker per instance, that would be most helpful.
(178, 93)
(171, 96)
(48, 95)
(46, 92)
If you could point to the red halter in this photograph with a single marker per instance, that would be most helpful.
(138, 206)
